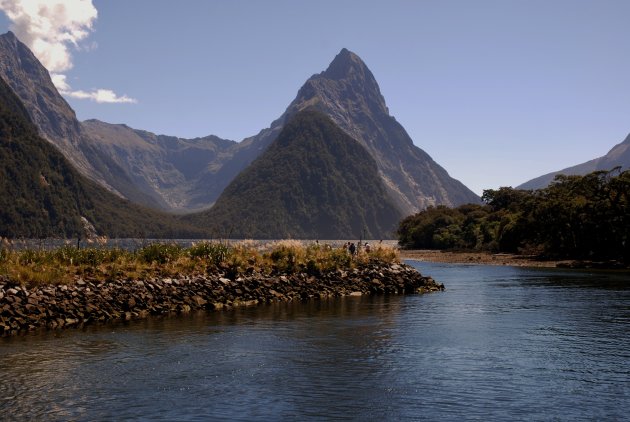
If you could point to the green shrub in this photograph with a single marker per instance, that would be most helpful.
(69, 255)
(159, 253)
(213, 252)
(287, 256)
(337, 258)
(33, 257)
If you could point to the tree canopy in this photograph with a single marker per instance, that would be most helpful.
(577, 217)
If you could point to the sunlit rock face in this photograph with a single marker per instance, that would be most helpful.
(348, 92)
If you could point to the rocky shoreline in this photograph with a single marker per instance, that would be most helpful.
(514, 260)
(24, 309)
(482, 258)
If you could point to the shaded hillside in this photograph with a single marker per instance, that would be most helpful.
(57, 123)
(41, 195)
(313, 181)
(618, 156)
(158, 171)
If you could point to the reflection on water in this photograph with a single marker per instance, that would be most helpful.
(500, 343)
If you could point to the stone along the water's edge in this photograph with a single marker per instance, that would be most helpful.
(24, 309)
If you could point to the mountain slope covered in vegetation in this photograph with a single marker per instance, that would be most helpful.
(42, 195)
(313, 181)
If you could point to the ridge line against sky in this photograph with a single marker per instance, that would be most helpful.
(497, 92)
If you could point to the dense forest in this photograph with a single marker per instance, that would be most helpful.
(576, 217)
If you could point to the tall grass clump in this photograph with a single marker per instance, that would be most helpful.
(287, 256)
(4, 255)
(383, 254)
(212, 252)
(69, 255)
(33, 257)
(160, 253)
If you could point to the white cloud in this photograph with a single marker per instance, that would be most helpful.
(60, 82)
(101, 96)
(51, 28)
(98, 95)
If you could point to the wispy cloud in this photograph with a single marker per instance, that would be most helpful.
(102, 96)
(98, 95)
(51, 28)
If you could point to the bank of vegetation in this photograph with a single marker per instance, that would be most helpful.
(575, 217)
(159, 260)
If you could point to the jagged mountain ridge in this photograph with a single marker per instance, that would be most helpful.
(42, 195)
(147, 168)
(138, 165)
(618, 156)
(48, 110)
(313, 181)
(348, 93)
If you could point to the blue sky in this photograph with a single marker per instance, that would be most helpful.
(497, 92)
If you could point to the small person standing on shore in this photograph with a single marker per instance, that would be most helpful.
(352, 249)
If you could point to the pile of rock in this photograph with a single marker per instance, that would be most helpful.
(56, 306)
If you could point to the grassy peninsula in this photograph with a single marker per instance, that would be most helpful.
(68, 264)
(71, 287)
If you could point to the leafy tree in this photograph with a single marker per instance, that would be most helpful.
(585, 217)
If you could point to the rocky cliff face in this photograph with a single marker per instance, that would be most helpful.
(56, 121)
(51, 114)
(618, 156)
(43, 195)
(348, 93)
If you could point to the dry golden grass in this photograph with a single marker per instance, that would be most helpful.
(67, 264)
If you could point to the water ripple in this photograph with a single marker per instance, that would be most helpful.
(499, 344)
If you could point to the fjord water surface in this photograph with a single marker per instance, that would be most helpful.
(501, 343)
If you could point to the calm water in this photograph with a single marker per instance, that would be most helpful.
(500, 344)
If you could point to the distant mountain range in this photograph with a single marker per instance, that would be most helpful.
(186, 175)
(618, 156)
(179, 174)
(42, 195)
